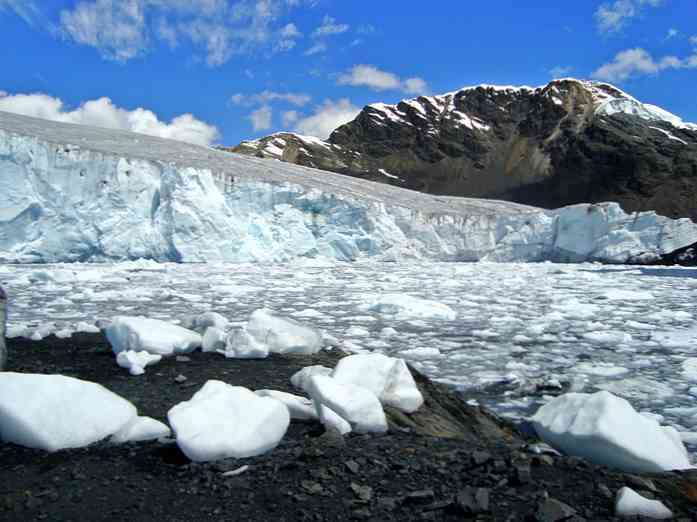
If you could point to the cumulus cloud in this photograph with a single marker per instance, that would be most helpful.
(378, 80)
(266, 97)
(261, 118)
(103, 113)
(121, 30)
(639, 62)
(327, 117)
(611, 17)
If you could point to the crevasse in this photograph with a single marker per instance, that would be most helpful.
(72, 193)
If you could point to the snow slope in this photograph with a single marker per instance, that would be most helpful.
(76, 193)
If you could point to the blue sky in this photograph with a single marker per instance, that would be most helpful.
(220, 71)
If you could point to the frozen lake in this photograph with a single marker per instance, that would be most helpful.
(521, 331)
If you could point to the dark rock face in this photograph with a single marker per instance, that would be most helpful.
(568, 142)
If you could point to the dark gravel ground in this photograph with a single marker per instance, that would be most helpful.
(448, 462)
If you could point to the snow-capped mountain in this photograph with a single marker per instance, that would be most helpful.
(571, 141)
(78, 193)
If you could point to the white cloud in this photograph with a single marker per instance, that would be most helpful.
(261, 118)
(266, 97)
(103, 113)
(693, 40)
(327, 117)
(611, 17)
(560, 71)
(378, 80)
(672, 33)
(289, 118)
(25, 9)
(329, 27)
(121, 30)
(637, 62)
(116, 28)
(319, 47)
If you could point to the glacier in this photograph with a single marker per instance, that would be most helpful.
(75, 193)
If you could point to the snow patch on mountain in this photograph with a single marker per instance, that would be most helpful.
(74, 193)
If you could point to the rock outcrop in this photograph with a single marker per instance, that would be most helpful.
(568, 142)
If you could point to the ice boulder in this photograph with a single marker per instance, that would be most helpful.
(141, 334)
(404, 306)
(135, 362)
(332, 421)
(214, 340)
(222, 421)
(300, 408)
(358, 406)
(140, 429)
(283, 335)
(387, 377)
(199, 323)
(53, 412)
(606, 430)
(629, 503)
(301, 378)
(241, 345)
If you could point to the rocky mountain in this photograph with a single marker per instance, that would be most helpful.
(568, 142)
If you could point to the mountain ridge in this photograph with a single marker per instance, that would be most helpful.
(570, 141)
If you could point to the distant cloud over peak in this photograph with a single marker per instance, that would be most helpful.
(370, 76)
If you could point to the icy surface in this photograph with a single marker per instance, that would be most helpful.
(299, 407)
(522, 332)
(222, 421)
(283, 335)
(607, 431)
(140, 429)
(359, 406)
(630, 504)
(75, 193)
(136, 362)
(53, 412)
(387, 377)
(142, 334)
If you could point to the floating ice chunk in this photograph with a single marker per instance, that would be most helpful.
(150, 335)
(214, 340)
(601, 369)
(199, 323)
(359, 406)
(388, 378)
(387, 332)
(404, 306)
(53, 412)
(299, 407)
(222, 421)
(608, 338)
(627, 295)
(283, 335)
(689, 369)
(241, 345)
(629, 503)
(140, 429)
(136, 362)
(357, 331)
(301, 378)
(606, 430)
(420, 354)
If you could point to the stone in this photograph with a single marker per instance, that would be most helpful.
(552, 510)
(473, 500)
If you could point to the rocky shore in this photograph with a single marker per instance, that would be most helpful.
(448, 461)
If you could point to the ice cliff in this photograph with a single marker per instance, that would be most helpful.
(75, 193)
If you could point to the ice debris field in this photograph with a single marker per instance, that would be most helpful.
(510, 336)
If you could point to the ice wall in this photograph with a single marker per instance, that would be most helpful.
(71, 193)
